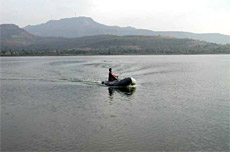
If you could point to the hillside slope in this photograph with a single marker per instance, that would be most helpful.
(20, 42)
(85, 26)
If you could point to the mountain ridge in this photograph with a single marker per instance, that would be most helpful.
(17, 41)
(86, 26)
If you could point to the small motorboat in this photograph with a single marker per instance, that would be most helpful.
(121, 83)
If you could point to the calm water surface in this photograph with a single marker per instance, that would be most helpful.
(180, 103)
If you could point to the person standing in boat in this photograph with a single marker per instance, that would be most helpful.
(112, 76)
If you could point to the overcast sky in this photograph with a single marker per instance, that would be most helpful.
(199, 16)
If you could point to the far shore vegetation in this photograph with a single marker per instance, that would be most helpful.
(225, 49)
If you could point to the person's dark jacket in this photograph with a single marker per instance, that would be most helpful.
(112, 76)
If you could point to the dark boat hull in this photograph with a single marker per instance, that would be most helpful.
(123, 83)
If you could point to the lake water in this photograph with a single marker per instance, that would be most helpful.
(180, 103)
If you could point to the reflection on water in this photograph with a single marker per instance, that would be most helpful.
(127, 91)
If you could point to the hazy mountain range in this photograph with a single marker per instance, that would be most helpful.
(17, 41)
(85, 26)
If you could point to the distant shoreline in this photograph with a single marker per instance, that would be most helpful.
(107, 55)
